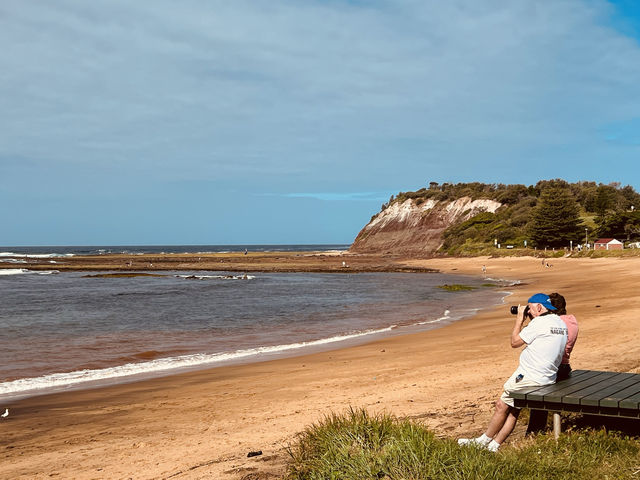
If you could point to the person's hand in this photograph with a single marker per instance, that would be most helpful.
(516, 340)
(521, 310)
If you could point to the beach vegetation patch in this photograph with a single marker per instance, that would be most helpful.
(365, 446)
(456, 287)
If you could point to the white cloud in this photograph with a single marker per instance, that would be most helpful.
(251, 90)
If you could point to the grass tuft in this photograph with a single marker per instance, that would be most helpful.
(456, 287)
(358, 445)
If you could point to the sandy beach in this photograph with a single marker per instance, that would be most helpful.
(202, 424)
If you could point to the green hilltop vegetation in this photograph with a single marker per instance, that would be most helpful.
(551, 213)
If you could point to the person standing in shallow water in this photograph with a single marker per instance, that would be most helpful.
(538, 418)
(545, 338)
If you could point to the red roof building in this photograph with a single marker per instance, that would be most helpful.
(608, 244)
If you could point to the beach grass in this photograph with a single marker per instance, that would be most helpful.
(359, 445)
(456, 287)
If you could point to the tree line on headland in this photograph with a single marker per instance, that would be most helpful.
(551, 213)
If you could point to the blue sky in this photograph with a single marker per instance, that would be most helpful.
(293, 121)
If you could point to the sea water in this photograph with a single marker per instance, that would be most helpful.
(69, 251)
(71, 330)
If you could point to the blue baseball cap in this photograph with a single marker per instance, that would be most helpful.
(543, 299)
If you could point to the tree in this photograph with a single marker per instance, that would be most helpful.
(619, 225)
(605, 199)
(555, 221)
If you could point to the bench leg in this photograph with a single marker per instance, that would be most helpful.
(556, 425)
(537, 421)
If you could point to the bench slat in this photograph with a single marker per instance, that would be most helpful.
(631, 403)
(611, 396)
(591, 395)
(538, 393)
(577, 373)
(556, 395)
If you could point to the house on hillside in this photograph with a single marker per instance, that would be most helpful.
(608, 244)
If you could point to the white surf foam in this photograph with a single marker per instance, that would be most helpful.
(25, 271)
(222, 277)
(503, 281)
(445, 316)
(70, 379)
(13, 271)
(36, 255)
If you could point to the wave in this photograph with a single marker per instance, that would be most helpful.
(445, 316)
(12, 260)
(36, 255)
(223, 277)
(504, 282)
(13, 271)
(24, 271)
(70, 379)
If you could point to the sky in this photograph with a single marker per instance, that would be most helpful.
(287, 122)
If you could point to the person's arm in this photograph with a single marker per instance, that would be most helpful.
(516, 340)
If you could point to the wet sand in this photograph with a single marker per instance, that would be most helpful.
(202, 424)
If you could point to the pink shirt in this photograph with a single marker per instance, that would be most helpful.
(572, 335)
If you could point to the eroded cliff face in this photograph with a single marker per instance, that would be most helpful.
(407, 228)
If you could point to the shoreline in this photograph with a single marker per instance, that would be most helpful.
(117, 374)
(202, 424)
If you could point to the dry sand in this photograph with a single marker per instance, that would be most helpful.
(203, 424)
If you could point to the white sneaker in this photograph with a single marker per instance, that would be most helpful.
(493, 446)
(470, 441)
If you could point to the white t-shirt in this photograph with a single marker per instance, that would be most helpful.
(546, 337)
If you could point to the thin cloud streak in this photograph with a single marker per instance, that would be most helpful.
(341, 197)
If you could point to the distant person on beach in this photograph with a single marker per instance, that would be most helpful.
(484, 269)
(538, 418)
(545, 338)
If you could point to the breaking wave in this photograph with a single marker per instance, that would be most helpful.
(25, 271)
(223, 277)
(36, 255)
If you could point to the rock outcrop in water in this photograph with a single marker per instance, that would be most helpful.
(411, 228)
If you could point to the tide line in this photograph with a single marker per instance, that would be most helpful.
(69, 379)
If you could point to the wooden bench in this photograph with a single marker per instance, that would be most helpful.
(591, 392)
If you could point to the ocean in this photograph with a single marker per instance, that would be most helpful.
(62, 251)
(61, 331)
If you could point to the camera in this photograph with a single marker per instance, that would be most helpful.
(514, 310)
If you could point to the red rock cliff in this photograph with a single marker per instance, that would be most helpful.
(408, 228)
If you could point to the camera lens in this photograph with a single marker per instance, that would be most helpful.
(514, 309)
